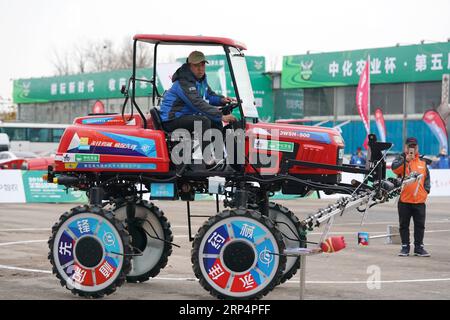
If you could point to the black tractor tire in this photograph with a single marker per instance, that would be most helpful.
(289, 225)
(109, 233)
(237, 255)
(156, 252)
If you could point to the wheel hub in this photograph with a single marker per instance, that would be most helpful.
(138, 236)
(238, 256)
(89, 252)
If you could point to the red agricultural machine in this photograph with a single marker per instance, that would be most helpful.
(242, 252)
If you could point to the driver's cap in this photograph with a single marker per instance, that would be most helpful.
(411, 141)
(196, 57)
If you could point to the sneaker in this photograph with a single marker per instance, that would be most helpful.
(405, 251)
(421, 252)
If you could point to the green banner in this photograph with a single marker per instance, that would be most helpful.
(38, 190)
(427, 62)
(87, 86)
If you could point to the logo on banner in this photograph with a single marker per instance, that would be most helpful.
(306, 70)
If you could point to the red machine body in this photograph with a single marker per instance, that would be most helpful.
(107, 143)
(303, 143)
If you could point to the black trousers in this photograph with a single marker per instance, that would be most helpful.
(187, 122)
(406, 211)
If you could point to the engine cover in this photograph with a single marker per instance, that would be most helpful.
(304, 143)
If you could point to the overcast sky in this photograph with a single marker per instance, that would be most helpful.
(30, 30)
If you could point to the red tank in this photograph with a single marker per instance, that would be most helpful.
(108, 143)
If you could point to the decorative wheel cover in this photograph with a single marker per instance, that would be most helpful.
(88, 252)
(238, 232)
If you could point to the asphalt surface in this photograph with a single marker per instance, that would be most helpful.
(358, 272)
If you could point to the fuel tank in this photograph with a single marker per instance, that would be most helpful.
(108, 143)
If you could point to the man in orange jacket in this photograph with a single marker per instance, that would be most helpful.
(413, 197)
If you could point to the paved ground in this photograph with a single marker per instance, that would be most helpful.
(25, 270)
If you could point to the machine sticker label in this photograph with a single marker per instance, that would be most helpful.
(114, 144)
(266, 259)
(216, 272)
(247, 230)
(97, 120)
(65, 249)
(109, 239)
(84, 144)
(162, 190)
(244, 283)
(106, 270)
(143, 146)
(70, 165)
(80, 275)
(87, 158)
(314, 136)
(80, 157)
(126, 166)
(83, 226)
(216, 240)
(273, 145)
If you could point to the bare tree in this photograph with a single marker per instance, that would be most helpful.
(144, 55)
(79, 58)
(62, 63)
(101, 56)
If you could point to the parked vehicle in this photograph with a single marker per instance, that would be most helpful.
(24, 160)
(4, 142)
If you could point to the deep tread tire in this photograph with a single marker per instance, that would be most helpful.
(293, 263)
(215, 222)
(124, 237)
(155, 268)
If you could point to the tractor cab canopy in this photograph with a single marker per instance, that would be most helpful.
(236, 63)
(189, 40)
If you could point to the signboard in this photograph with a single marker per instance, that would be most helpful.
(101, 85)
(426, 62)
(38, 190)
(11, 186)
(440, 183)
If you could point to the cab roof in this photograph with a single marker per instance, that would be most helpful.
(190, 40)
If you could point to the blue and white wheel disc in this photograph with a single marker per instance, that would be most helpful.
(261, 258)
(88, 252)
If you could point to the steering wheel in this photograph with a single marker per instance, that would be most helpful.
(229, 107)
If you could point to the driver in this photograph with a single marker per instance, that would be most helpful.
(191, 99)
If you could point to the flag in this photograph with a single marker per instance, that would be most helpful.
(379, 120)
(363, 97)
(434, 121)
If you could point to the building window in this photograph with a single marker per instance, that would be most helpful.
(319, 102)
(288, 104)
(349, 100)
(388, 97)
(427, 95)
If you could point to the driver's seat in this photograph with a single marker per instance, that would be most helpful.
(156, 119)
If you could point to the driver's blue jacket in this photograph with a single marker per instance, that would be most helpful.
(189, 96)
